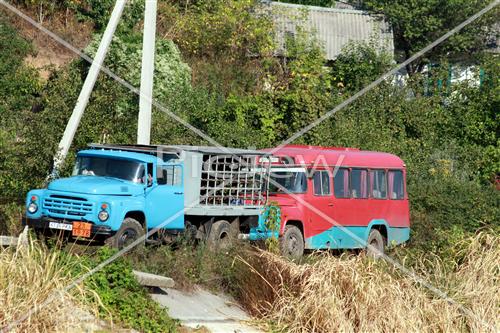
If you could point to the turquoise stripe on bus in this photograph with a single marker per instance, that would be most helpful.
(352, 237)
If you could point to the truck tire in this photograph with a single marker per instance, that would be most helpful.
(377, 242)
(129, 232)
(292, 242)
(220, 235)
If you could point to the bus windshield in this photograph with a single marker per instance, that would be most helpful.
(109, 167)
(294, 181)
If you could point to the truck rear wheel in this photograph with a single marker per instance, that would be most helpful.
(130, 231)
(220, 235)
(292, 242)
(375, 244)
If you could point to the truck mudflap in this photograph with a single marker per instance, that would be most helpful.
(46, 224)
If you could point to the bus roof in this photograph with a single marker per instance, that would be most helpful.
(337, 156)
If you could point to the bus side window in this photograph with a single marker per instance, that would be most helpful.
(341, 183)
(321, 183)
(378, 181)
(359, 183)
(396, 185)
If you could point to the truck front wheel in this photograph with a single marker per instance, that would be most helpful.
(130, 231)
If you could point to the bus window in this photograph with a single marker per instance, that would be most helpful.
(321, 183)
(359, 183)
(396, 185)
(378, 181)
(341, 183)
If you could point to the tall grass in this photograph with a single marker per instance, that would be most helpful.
(29, 275)
(356, 294)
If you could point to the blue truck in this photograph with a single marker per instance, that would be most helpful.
(118, 193)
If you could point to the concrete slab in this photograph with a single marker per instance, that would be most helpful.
(8, 241)
(218, 313)
(152, 280)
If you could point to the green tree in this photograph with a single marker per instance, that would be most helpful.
(20, 87)
(111, 115)
(358, 65)
(418, 23)
(225, 42)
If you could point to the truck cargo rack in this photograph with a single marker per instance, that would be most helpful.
(233, 180)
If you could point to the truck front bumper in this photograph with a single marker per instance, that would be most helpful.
(42, 224)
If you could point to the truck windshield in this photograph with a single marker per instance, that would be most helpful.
(109, 167)
(292, 181)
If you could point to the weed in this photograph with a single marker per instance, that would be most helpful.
(356, 294)
(121, 297)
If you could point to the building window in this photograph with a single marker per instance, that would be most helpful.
(341, 183)
(169, 175)
(321, 183)
(378, 181)
(396, 185)
(359, 183)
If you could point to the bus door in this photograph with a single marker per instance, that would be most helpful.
(321, 200)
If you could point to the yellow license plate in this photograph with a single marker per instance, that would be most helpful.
(81, 229)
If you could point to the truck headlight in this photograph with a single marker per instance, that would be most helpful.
(32, 208)
(103, 215)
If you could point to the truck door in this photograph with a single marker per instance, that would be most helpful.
(165, 198)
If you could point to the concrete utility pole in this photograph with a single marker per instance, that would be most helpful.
(147, 73)
(83, 99)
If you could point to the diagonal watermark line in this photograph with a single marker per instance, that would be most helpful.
(110, 73)
(378, 81)
(333, 222)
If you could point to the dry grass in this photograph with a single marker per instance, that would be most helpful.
(28, 276)
(355, 294)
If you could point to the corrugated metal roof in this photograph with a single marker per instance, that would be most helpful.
(334, 27)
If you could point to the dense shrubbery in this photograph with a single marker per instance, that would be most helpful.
(121, 298)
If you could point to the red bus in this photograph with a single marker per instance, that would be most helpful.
(339, 198)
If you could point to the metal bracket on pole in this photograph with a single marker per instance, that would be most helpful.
(83, 98)
(147, 73)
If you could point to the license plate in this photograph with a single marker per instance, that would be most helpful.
(81, 229)
(60, 226)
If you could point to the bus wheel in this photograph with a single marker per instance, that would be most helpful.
(130, 231)
(220, 235)
(375, 244)
(292, 242)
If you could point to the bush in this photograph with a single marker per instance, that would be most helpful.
(443, 209)
(121, 298)
(10, 218)
(188, 264)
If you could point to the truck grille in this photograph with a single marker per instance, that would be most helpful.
(67, 206)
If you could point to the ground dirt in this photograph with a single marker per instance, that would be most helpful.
(49, 54)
